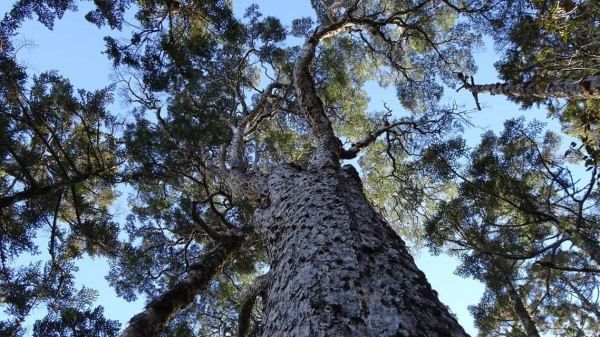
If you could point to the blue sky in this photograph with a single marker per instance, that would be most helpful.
(74, 49)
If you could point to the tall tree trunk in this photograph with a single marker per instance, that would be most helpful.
(338, 268)
(587, 87)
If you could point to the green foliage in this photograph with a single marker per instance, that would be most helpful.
(580, 119)
(59, 167)
(514, 212)
(199, 86)
(75, 323)
(492, 309)
(59, 162)
(548, 40)
(46, 12)
(193, 74)
(169, 149)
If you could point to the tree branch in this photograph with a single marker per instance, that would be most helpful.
(39, 191)
(587, 87)
(150, 322)
(259, 285)
(205, 227)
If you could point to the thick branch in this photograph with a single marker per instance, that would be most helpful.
(249, 124)
(588, 87)
(551, 265)
(258, 115)
(312, 106)
(247, 184)
(371, 137)
(205, 227)
(236, 150)
(161, 310)
(328, 146)
(520, 310)
(513, 294)
(509, 256)
(588, 245)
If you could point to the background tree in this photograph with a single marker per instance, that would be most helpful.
(71, 322)
(549, 50)
(519, 212)
(59, 160)
(552, 40)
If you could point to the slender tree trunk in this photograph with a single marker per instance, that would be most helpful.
(338, 268)
(587, 87)
(520, 310)
(150, 322)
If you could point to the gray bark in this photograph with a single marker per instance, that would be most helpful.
(501, 272)
(587, 87)
(338, 268)
(520, 310)
(328, 146)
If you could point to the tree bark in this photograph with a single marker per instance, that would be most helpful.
(338, 268)
(520, 310)
(587, 87)
(150, 322)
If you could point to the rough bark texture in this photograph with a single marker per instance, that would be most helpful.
(247, 184)
(161, 310)
(328, 146)
(338, 268)
(521, 311)
(587, 87)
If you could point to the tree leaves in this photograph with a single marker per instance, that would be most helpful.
(210, 93)
(515, 200)
(75, 323)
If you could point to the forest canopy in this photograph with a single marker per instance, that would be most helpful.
(266, 196)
